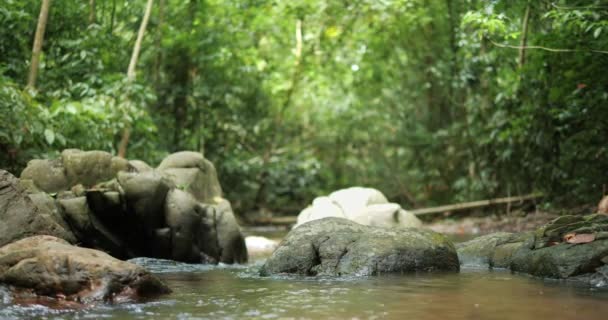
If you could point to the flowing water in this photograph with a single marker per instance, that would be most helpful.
(237, 292)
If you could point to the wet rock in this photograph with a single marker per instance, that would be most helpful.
(230, 238)
(363, 205)
(546, 253)
(48, 266)
(336, 246)
(492, 250)
(20, 217)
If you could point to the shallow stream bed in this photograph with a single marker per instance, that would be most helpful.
(237, 292)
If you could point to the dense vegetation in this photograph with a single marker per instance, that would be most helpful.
(430, 101)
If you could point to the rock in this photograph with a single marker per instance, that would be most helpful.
(145, 195)
(257, 244)
(184, 216)
(386, 215)
(492, 250)
(47, 205)
(322, 207)
(545, 253)
(20, 217)
(47, 175)
(120, 164)
(140, 166)
(602, 207)
(363, 205)
(87, 167)
(355, 199)
(191, 172)
(336, 246)
(129, 209)
(230, 240)
(48, 266)
(89, 230)
(183, 159)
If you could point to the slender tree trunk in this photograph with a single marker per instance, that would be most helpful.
(140, 37)
(158, 60)
(91, 11)
(38, 39)
(524, 36)
(112, 15)
(126, 134)
(260, 199)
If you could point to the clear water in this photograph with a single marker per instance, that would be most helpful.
(237, 292)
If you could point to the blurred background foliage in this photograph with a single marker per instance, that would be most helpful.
(430, 101)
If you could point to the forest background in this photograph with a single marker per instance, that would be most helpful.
(430, 101)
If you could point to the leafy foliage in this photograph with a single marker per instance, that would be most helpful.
(430, 101)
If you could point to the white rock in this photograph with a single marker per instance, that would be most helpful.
(260, 244)
(365, 206)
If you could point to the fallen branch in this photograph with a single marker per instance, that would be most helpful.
(475, 204)
(546, 48)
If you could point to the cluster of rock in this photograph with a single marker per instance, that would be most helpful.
(570, 247)
(337, 246)
(125, 208)
(366, 206)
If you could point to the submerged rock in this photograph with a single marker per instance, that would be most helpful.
(366, 206)
(49, 266)
(548, 252)
(336, 246)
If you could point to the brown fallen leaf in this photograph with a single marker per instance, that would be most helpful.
(579, 238)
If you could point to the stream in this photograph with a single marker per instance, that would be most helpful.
(237, 292)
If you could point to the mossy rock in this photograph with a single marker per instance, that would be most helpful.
(337, 246)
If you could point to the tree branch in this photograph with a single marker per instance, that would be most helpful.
(546, 48)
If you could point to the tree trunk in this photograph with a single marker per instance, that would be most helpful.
(38, 39)
(91, 11)
(126, 134)
(158, 59)
(140, 37)
(524, 36)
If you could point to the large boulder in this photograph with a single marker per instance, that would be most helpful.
(91, 167)
(191, 172)
(20, 217)
(555, 252)
(51, 267)
(336, 246)
(569, 247)
(47, 175)
(366, 206)
(74, 167)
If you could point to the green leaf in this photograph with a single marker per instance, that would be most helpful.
(597, 32)
(49, 135)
